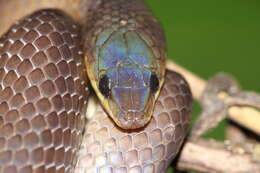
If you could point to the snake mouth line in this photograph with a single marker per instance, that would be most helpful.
(131, 108)
(133, 120)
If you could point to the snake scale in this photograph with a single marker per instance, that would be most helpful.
(44, 124)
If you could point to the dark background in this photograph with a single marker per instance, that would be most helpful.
(210, 36)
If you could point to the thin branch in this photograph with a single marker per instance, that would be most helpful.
(212, 156)
(198, 84)
(246, 116)
(243, 115)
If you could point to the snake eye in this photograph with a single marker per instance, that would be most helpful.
(104, 86)
(154, 83)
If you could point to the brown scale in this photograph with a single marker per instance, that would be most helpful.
(42, 94)
(106, 148)
(126, 15)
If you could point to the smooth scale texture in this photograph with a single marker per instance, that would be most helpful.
(42, 94)
(108, 149)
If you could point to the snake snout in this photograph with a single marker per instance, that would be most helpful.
(133, 119)
(133, 111)
(131, 99)
(134, 115)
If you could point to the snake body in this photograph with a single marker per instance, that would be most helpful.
(107, 148)
(43, 95)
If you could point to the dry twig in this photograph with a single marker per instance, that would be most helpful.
(212, 156)
(246, 116)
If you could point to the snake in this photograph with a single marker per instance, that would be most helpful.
(83, 88)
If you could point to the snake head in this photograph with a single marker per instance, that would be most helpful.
(126, 76)
(129, 95)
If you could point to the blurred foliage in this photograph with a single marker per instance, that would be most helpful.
(213, 36)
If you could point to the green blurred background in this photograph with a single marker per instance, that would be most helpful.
(210, 36)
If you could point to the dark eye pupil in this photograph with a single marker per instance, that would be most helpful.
(104, 86)
(154, 83)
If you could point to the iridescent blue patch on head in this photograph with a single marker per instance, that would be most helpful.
(121, 47)
(131, 99)
(103, 36)
(130, 76)
(112, 52)
(128, 63)
(138, 51)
